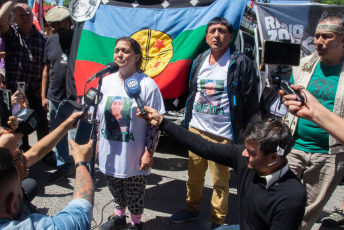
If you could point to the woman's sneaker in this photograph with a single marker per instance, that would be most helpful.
(114, 223)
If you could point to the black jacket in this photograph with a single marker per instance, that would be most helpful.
(242, 88)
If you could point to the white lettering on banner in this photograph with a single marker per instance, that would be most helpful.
(269, 22)
(280, 31)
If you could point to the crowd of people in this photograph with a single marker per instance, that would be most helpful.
(287, 168)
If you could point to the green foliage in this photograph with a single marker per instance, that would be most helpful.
(331, 2)
(66, 3)
(45, 3)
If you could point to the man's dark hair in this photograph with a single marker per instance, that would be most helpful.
(8, 170)
(135, 46)
(221, 21)
(331, 16)
(269, 135)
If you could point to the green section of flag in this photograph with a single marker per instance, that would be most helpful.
(186, 45)
(95, 48)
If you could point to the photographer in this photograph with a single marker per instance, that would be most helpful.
(24, 160)
(315, 153)
(77, 214)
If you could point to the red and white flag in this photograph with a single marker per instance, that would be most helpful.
(37, 11)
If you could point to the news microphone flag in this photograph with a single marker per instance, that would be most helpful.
(170, 39)
(133, 89)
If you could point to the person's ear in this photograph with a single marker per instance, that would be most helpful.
(11, 204)
(274, 156)
(138, 57)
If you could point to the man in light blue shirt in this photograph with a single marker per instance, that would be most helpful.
(77, 214)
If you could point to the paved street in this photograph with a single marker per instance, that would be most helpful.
(165, 193)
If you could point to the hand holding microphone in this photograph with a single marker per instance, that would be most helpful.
(133, 89)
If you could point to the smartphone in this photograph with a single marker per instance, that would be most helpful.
(281, 53)
(5, 107)
(83, 132)
(21, 86)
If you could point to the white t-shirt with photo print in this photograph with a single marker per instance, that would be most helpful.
(122, 142)
(211, 106)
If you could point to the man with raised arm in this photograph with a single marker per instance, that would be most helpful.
(24, 59)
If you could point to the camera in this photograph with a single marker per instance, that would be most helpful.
(28, 121)
(283, 54)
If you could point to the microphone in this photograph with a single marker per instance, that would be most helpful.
(112, 67)
(133, 89)
(273, 163)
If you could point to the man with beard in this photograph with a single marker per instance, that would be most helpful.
(56, 58)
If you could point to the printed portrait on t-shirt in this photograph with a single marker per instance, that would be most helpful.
(208, 99)
(117, 118)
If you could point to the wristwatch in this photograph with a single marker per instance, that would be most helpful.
(81, 163)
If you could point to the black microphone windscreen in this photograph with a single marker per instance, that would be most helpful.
(112, 67)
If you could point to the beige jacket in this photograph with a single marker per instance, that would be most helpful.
(302, 75)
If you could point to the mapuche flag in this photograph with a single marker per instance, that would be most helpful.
(170, 39)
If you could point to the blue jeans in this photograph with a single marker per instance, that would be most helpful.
(229, 227)
(64, 161)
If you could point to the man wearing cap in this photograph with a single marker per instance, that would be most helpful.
(24, 58)
(56, 56)
(317, 158)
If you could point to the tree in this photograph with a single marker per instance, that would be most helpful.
(46, 3)
(332, 2)
(66, 3)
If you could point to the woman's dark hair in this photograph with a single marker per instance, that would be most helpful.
(135, 46)
(221, 21)
(8, 170)
(269, 135)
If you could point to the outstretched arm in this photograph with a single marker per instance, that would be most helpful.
(84, 188)
(47, 143)
(219, 153)
(312, 110)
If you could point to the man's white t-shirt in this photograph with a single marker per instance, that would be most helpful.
(122, 142)
(211, 106)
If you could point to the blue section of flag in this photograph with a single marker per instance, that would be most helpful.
(116, 22)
